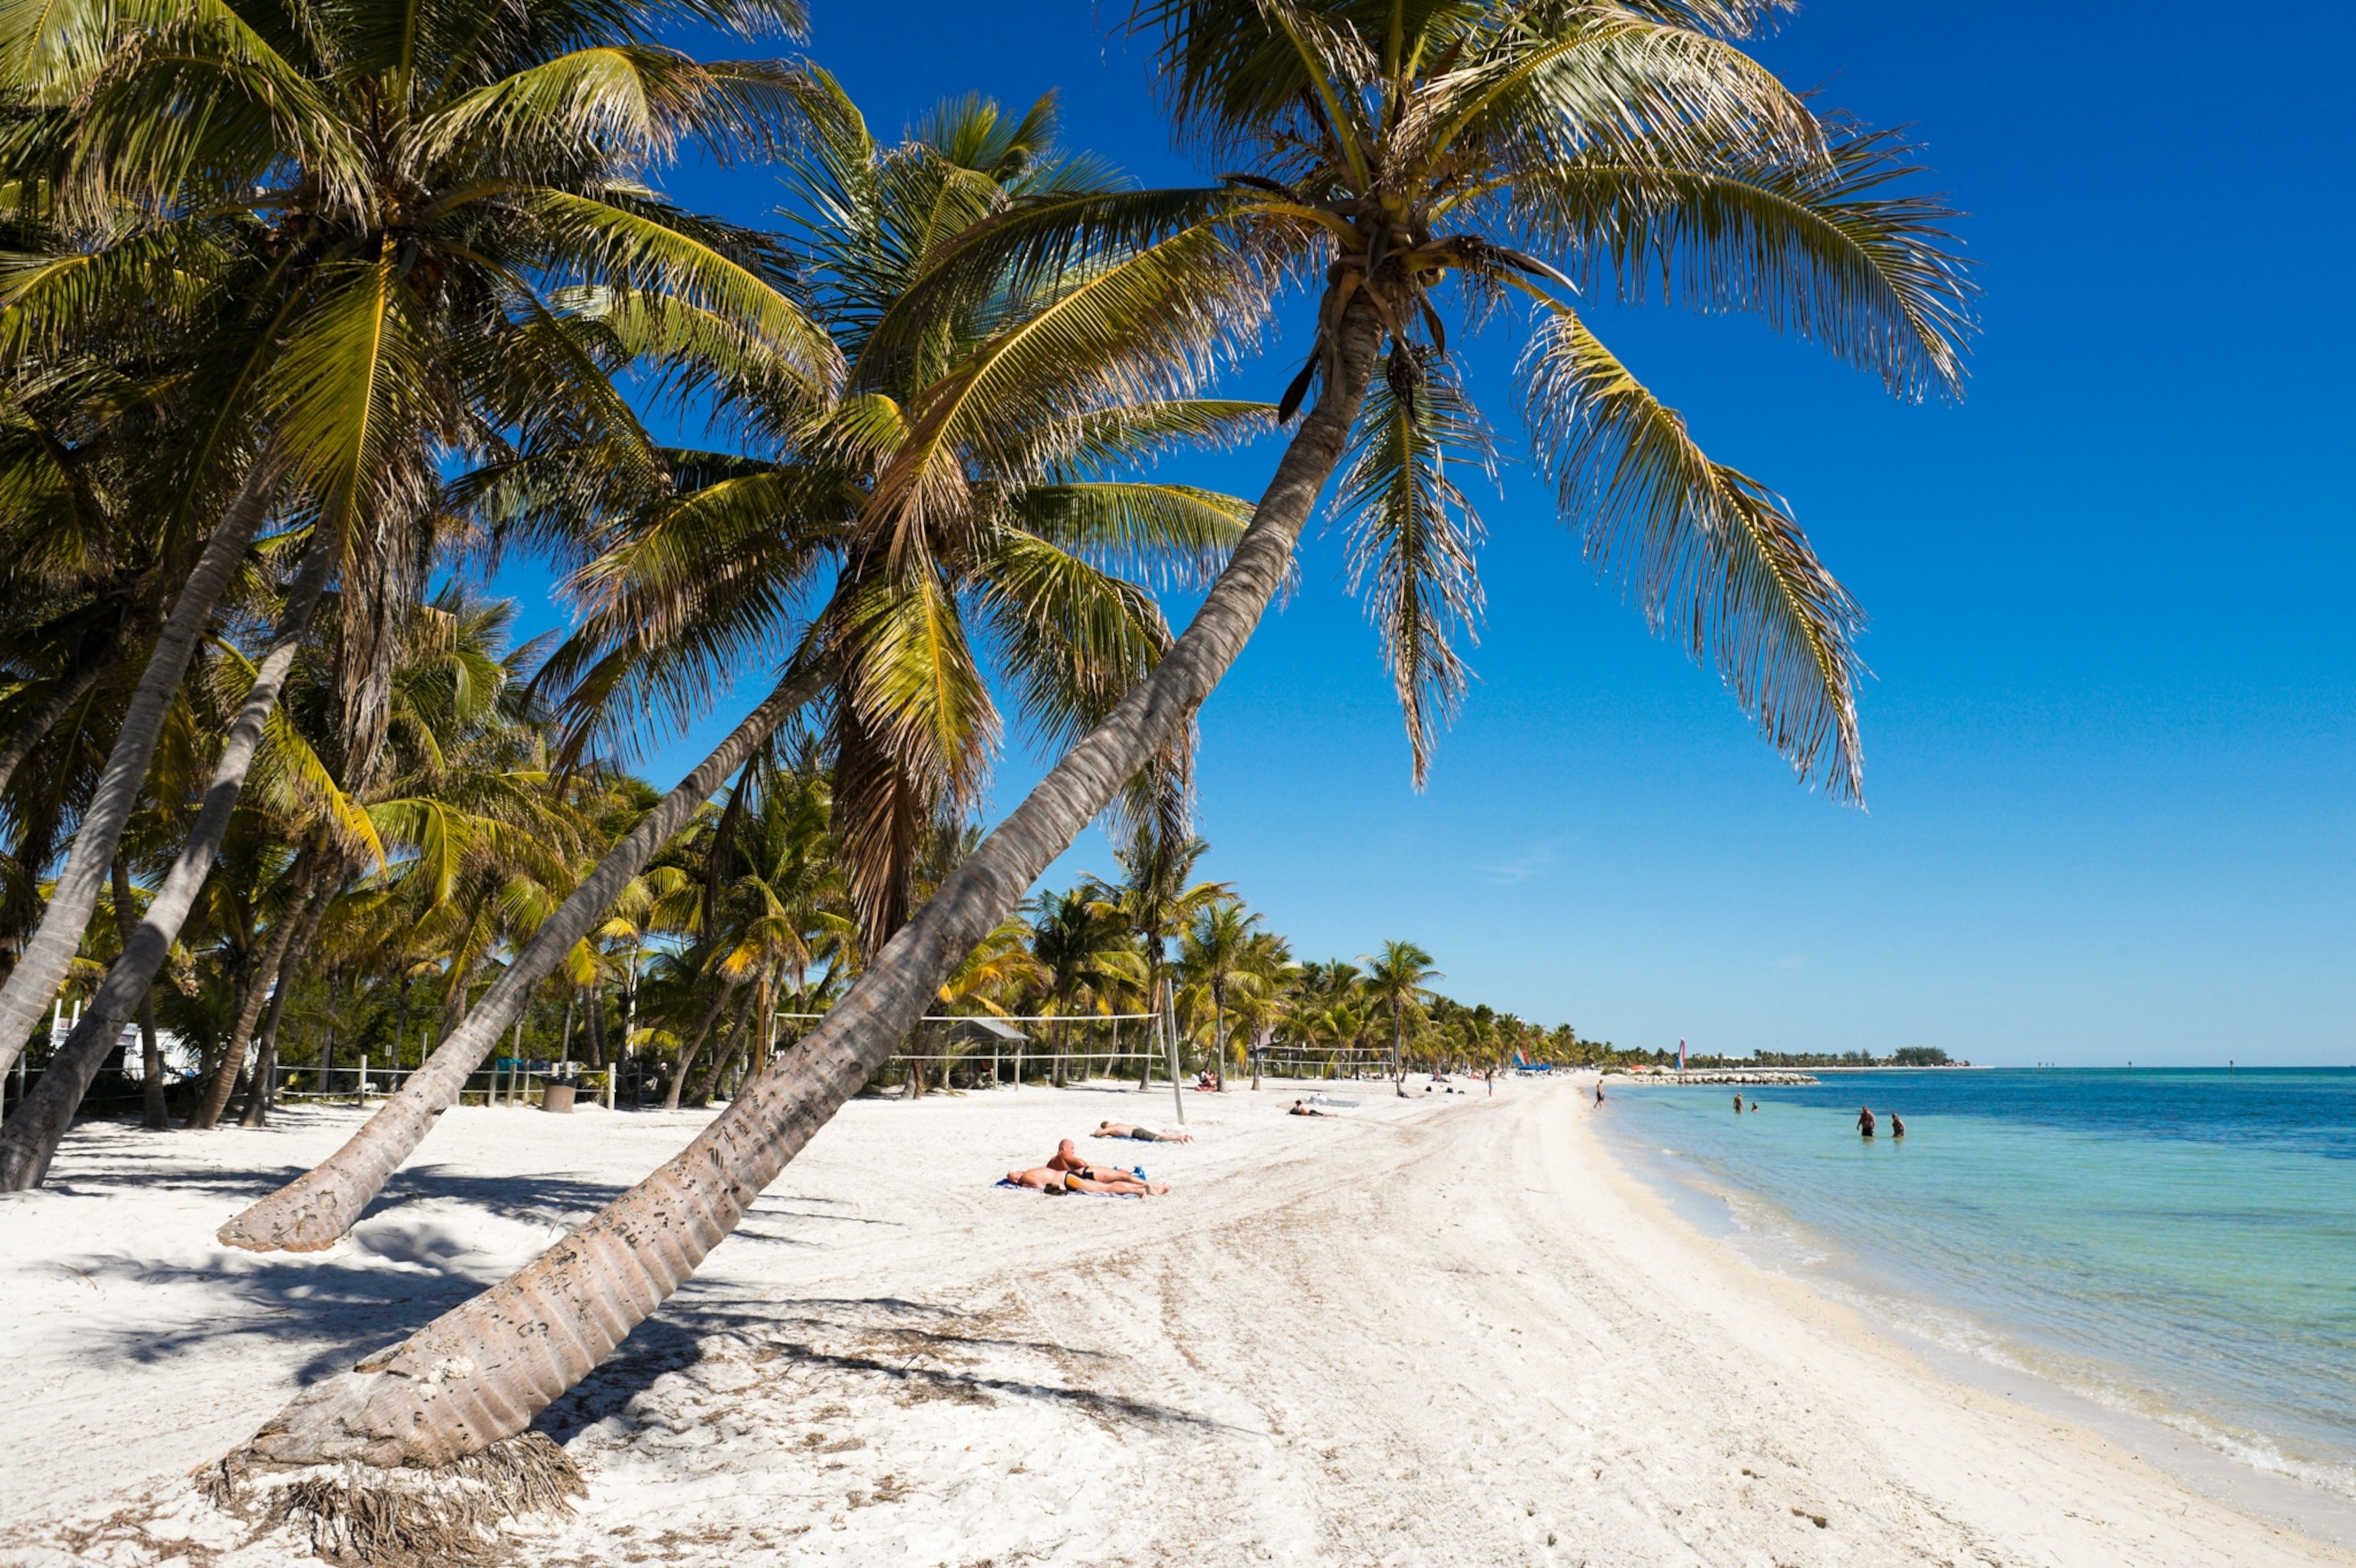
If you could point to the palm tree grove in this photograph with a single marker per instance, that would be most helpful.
(893, 540)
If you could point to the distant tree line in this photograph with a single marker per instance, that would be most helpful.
(1904, 1056)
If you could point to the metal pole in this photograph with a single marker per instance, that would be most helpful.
(363, 1077)
(1170, 1031)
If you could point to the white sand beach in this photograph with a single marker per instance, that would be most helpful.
(1444, 1330)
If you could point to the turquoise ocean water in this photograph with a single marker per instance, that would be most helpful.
(2176, 1245)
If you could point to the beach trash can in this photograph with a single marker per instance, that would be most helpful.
(557, 1097)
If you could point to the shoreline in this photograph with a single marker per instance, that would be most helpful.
(1822, 1265)
(1448, 1328)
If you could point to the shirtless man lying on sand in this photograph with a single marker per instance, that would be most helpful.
(1143, 1135)
(1120, 1184)
(1066, 1159)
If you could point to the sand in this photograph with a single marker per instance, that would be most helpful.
(1444, 1330)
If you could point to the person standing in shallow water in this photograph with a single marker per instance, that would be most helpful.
(1738, 1104)
(1864, 1120)
(1897, 1125)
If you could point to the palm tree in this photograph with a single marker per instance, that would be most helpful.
(1075, 937)
(941, 487)
(1000, 968)
(359, 217)
(1156, 902)
(1395, 981)
(1214, 954)
(1259, 998)
(1400, 147)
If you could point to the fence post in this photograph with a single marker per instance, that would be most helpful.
(363, 1077)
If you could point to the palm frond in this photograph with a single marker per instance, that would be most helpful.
(1706, 552)
(642, 243)
(1411, 534)
(1074, 639)
(1137, 529)
(1819, 246)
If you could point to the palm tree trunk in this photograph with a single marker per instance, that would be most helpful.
(464, 962)
(313, 908)
(71, 687)
(44, 959)
(687, 1053)
(709, 1079)
(304, 876)
(629, 1022)
(401, 1013)
(596, 1010)
(270, 1052)
(153, 1115)
(31, 1136)
(482, 1371)
(317, 1207)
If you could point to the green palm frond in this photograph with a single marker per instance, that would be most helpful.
(1819, 247)
(1029, 248)
(636, 99)
(1590, 77)
(291, 770)
(1411, 534)
(1707, 554)
(1138, 328)
(915, 683)
(1137, 529)
(1126, 433)
(353, 387)
(1074, 639)
(640, 242)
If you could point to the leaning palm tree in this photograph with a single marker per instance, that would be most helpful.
(1402, 147)
(952, 488)
(358, 217)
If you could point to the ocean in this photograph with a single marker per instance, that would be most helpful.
(2177, 1246)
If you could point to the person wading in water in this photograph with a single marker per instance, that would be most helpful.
(1864, 1120)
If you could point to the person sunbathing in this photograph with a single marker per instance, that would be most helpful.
(1143, 1135)
(1066, 1159)
(1303, 1108)
(1120, 1184)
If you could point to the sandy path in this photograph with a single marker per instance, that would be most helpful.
(1444, 1330)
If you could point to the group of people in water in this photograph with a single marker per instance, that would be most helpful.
(1868, 1124)
(1865, 1123)
(1065, 1172)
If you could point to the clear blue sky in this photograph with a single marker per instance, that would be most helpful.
(2111, 730)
